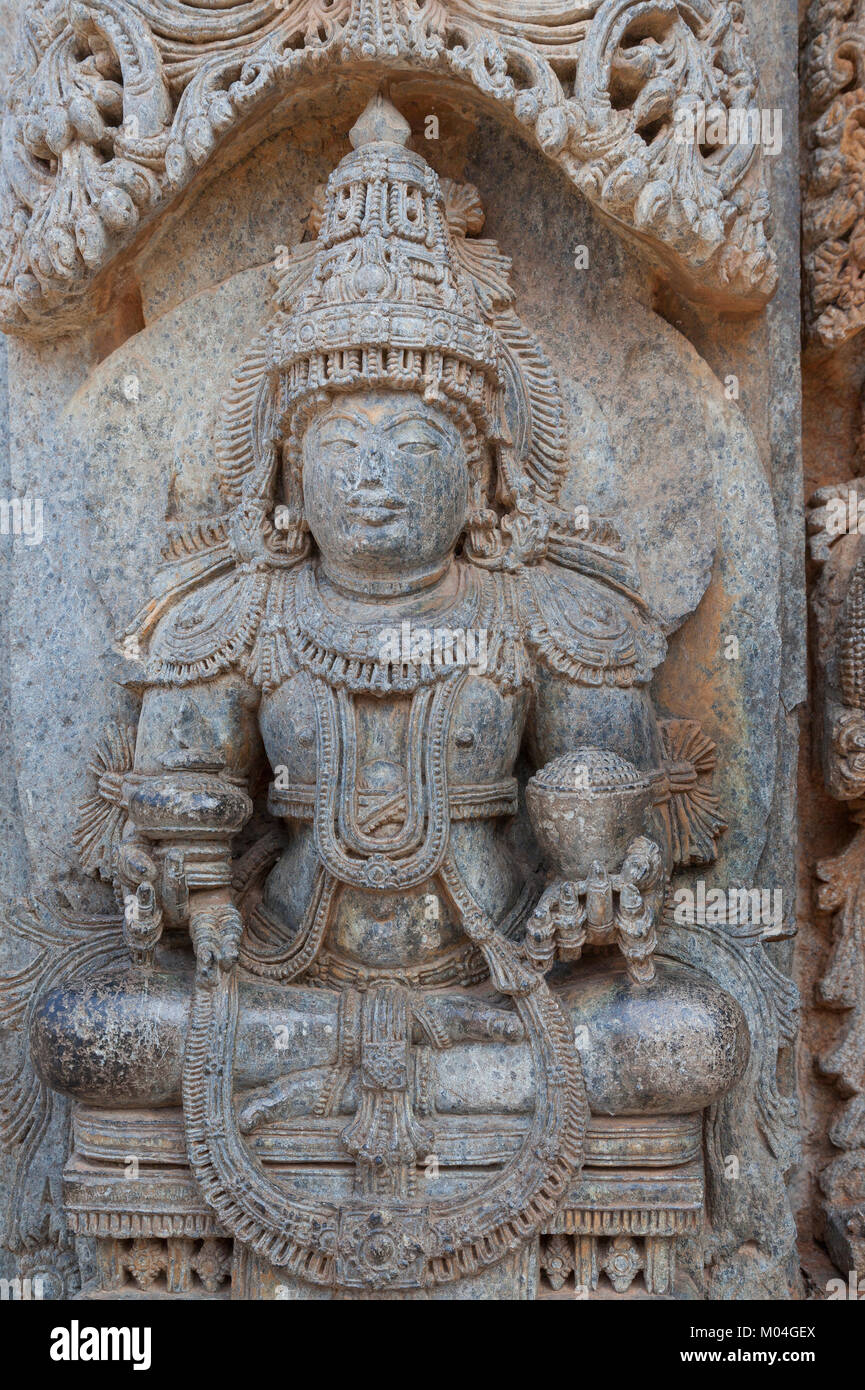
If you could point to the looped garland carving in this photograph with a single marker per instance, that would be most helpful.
(114, 105)
(833, 209)
(448, 1239)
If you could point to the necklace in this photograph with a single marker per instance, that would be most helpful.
(379, 655)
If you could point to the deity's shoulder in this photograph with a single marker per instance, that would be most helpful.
(585, 628)
(209, 627)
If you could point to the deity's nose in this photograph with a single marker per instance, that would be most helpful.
(370, 466)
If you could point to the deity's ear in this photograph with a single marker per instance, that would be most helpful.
(483, 540)
(483, 478)
(291, 532)
(292, 482)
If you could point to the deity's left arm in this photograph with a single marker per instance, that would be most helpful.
(197, 752)
(595, 735)
(594, 652)
(568, 715)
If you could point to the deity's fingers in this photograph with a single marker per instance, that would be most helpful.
(453, 1018)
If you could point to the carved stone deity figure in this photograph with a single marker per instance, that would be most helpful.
(396, 1018)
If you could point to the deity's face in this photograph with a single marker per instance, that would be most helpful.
(385, 484)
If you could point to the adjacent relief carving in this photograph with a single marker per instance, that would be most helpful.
(115, 105)
(839, 607)
(833, 222)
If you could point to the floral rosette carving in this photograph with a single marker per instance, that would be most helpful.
(692, 813)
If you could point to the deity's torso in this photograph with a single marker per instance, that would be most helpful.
(393, 727)
(386, 736)
(377, 927)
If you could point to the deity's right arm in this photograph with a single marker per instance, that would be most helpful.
(197, 752)
(198, 749)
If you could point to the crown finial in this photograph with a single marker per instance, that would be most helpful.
(379, 123)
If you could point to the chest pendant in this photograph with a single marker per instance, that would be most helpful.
(392, 839)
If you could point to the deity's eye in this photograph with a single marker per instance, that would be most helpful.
(339, 432)
(417, 436)
(336, 448)
(338, 437)
(418, 448)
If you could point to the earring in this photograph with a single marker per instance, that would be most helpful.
(484, 541)
(289, 520)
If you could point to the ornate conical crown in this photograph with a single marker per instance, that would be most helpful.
(388, 303)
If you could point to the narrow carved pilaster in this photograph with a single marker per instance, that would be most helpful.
(839, 605)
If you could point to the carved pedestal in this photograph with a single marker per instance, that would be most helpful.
(128, 1184)
(640, 1188)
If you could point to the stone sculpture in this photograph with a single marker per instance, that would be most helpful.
(114, 106)
(371, 1045)
(832, 260)
(837, 601)
(832, 223)
(382, 991)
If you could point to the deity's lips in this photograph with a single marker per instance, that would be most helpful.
(376, 511)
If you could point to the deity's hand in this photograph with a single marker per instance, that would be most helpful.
(142, 923)
(621, 908)
(138, 870)
(135, 865)
(445, 1019)
(215, 931)
(557, 927)
(142, 911)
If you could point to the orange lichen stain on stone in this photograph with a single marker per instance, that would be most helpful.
(695, 680)
(124, 318)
